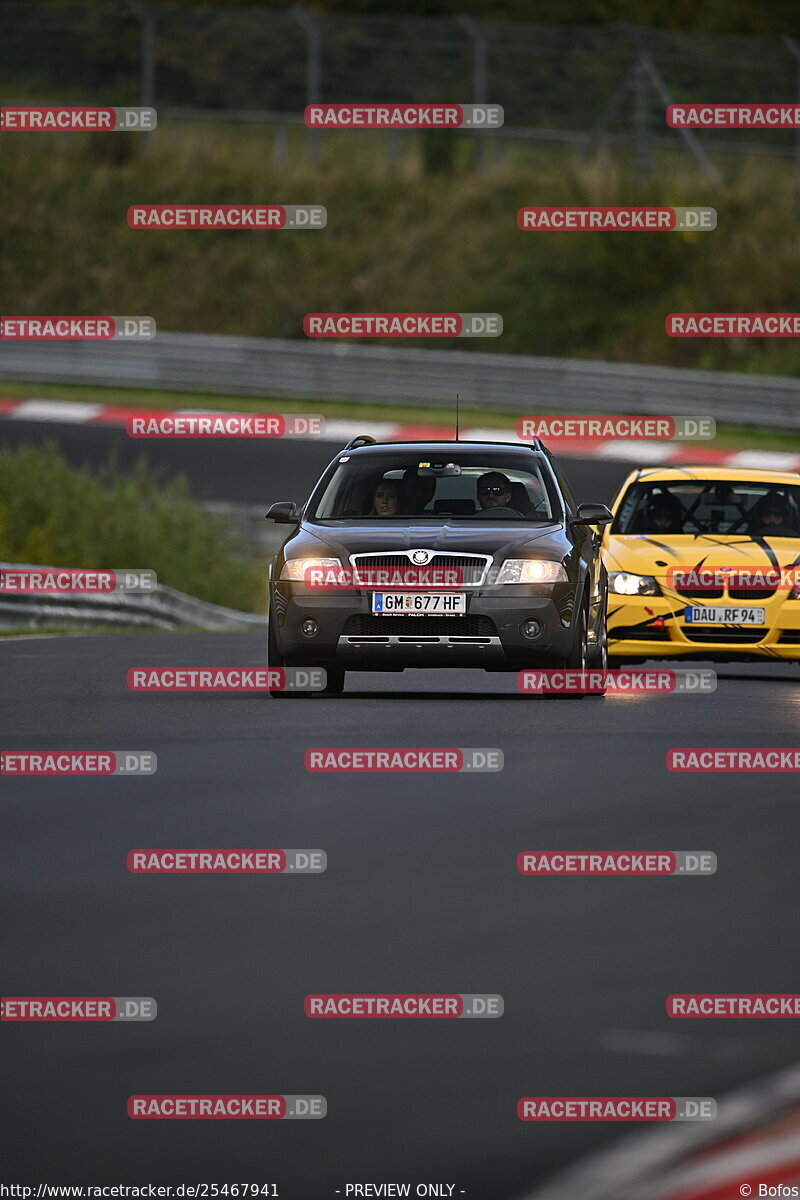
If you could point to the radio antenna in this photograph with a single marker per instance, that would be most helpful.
(456, 416)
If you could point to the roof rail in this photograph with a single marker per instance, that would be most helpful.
(363, 439)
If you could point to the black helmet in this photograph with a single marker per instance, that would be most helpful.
(664, 505)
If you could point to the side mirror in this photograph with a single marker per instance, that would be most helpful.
(284, 513)
(593, 514)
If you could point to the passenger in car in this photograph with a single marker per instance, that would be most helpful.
(386, 499)
(772, 518)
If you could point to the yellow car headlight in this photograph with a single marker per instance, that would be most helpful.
(623, 583)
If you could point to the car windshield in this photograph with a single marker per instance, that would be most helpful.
(458, 485)
(710, 506)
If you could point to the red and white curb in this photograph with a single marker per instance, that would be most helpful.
(339, 431)
(754, 1142)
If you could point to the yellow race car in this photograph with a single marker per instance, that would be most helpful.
(704, 562)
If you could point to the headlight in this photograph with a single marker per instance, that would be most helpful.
(625, 584)
(295, 568)
(531, 570)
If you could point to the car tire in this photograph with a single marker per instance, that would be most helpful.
(599, 656)
(275, 660)
(578, 658)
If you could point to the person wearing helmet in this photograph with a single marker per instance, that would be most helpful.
(663, 514)
(771, 518)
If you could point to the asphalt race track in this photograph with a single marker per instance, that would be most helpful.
(243, 470)
(421, 894)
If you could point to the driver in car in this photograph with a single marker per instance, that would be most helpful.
(494, 490)
(663, 514)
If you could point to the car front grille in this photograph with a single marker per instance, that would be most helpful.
(369, 626)
(722, 633)
(700, 593)
(638, 633)
(790, 637)
(751, 593)
(473, 567)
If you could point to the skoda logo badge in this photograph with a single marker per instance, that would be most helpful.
(421, 557)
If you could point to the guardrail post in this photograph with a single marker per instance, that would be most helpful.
(666, 98)
(393, 146)
(643, 160)
(479, 76)
(280, 140)
(313, 71)
(794, 49)
(601, 127)
(147, 68)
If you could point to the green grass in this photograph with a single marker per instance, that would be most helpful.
(62, 516)
(399, 238)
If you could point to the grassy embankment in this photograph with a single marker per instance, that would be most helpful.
(58, 515)
(399, 238)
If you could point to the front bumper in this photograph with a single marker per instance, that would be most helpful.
(654, 627)
(487, 636)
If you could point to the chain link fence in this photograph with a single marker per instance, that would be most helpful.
(584, 84)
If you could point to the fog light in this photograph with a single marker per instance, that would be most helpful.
(309, 627)
(531, 628)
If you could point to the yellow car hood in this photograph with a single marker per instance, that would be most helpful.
(645, 554)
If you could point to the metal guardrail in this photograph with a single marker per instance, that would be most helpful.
(250, 366)
(164, 608)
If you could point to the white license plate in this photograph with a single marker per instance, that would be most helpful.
(419, 604)
(711, 615)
